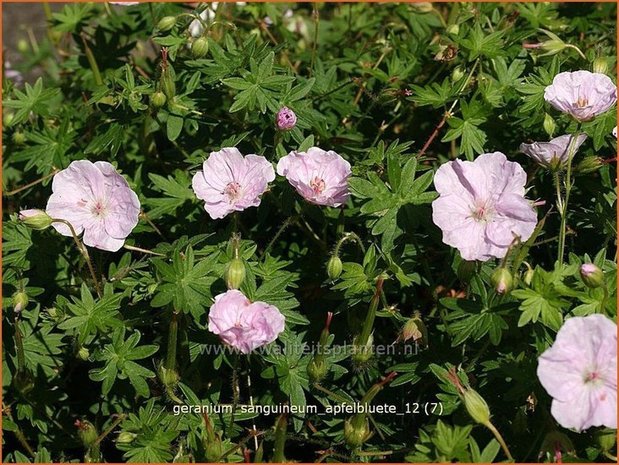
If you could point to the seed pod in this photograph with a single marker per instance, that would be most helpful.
(167, 81)
(502, 280)
(235, 273)
(158, 99)
(199, 47)
(589, 165)
(591, 275)
(528, 276)
(166, 23)
(334, 267)
(317, 370)
(87, 432)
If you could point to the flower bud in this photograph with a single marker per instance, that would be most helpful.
(502, 280)
(466, 270)
(235, 273)
(18, 138)
(20, 301)
(453, 29)
(416, 330)
(422, 7)
(476, 406)
(214, 450)
(168, 377)
(528, 276)
(549, 125)
(199, 47)
(8, 119)
(166, 23)
(126, 437)
(591, 275)
(317, 370)
(158, 99)
(23, 46)
(286, 119)
(83, 353)
(606, 438)
(334, 267)
(457, 74)
(356, 430)
(589, 165)
(600, 65)
(167, 81)
(87, 432)
(35, 219)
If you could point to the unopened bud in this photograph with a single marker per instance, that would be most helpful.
(591, 275)
(317, 370)
(416, 330)
(83, 353)
(457, 74)
(606, 438)
(199, 47)
(422, 7)
(18, 138)
(35, 219)
(549, 125)
(158, 99)
(502, 280)
(166, 23)
(589, 165)
(20, 301)
(8, 119)
(235, 273)
(362, 353)
(476, 406)
(453, 29)
(600, 65)
(126, 437)
(356, 430)
(87, 432)
(528, 276)
(214, 450)
(23, 46)
(334, 267)
(286, 119)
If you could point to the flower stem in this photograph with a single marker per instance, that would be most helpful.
(368, 324)
(93, 63)
(499, 438)
(82, 249)
(138, 249)
(170, 362)
(30, 184)
(564, 204)
(19, 347)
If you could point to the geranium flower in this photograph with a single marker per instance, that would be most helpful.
(481, 207)
(579, 372)
(97, 201)
(554, 153)
(581, 94)
(242, 324)
(231, 182)
(320, 177)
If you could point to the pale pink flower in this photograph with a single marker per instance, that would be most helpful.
(286, 119)
(321, 177)
(242, 324)
(481, 208)
(581, 94)
(554, 153)
(232, 182)
(97, 201)
(579, 372)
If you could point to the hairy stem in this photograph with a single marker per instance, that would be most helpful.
(499, 438)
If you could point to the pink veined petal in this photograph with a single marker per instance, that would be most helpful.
(589, 407)
(96, 236)
(123, 212)
(223, 167)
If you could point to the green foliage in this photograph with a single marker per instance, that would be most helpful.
(397, 91)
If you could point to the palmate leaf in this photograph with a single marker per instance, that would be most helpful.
(176, 190)
(89, 316)
(119, 361)
(185, 283)
(34, 99)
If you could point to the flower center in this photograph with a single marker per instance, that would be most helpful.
(233, 191)
(582, 102)
(98, 209)
(318, 185)
(593, 377)
(481, 212)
